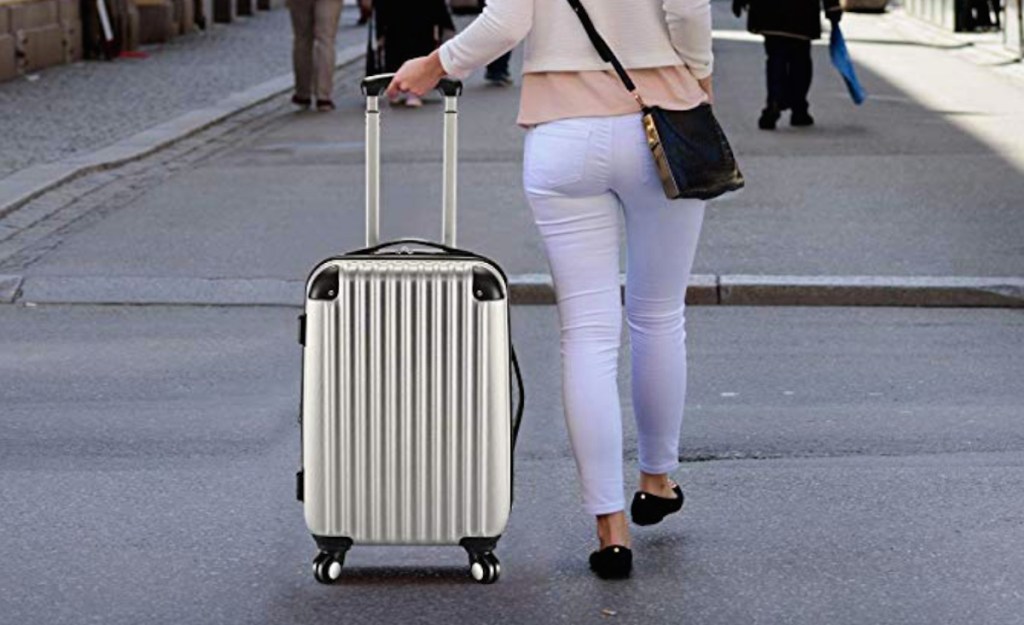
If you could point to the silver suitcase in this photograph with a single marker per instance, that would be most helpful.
(406, 415)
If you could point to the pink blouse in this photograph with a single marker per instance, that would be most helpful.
(547, 96)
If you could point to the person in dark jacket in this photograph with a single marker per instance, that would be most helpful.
(407, 29)
(788, 27)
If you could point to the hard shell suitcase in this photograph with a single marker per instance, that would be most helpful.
(407, 421)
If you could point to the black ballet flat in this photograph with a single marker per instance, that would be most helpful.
(648, 509)
(612, 562)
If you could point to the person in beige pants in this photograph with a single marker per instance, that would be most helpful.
(314, 24)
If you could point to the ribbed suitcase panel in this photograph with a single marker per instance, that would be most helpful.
(407, 438)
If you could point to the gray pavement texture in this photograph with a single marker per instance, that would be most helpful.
(843, 466)
(76, 109)
(923, 181)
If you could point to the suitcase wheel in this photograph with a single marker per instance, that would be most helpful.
(327, 567)
(485, 567)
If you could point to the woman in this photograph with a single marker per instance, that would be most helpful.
(788, 27)
(407, 29)
(586, 158)
(315, 25)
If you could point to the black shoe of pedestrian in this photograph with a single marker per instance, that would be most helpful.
(801, 118)
(648, 509)
(324, 105)
(769, 117)
(301, 102)
(612, 562)
(501, 80)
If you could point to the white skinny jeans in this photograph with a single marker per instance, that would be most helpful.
(577, 174)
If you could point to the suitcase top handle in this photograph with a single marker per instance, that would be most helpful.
(375, 85)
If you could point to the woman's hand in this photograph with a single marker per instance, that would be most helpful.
(417, 76)
(705, 85)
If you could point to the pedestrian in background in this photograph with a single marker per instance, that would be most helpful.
(586, 160)
(788, 27)
(407, 29)
(977, 14)
(314, 27)
(496, 71)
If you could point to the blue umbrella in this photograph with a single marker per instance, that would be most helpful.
(841, 59)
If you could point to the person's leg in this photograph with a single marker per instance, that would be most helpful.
(785, 87)
(497, 70)
(326, 29)
(578, 220)
(800, 73)
(775, 77)
(301, 12)
(982, 16)
(661, 241)
(365, 12)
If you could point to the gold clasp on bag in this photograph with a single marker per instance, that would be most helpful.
(668, 183)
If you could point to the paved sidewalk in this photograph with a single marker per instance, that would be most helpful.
(922, 182)
(75, 109)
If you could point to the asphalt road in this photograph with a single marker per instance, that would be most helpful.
(846, 466)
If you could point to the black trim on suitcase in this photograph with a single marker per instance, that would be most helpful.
(477, 545)
(325, 285)
(373, 86)
(486, 286)
(334, 545)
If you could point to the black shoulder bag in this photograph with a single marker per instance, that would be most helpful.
(691, 152)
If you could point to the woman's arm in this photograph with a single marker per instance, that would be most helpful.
(689, 26)
(502, 25)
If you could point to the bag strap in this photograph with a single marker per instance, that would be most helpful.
(604, 51)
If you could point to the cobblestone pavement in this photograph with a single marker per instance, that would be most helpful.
(43, 223)
(74, 109)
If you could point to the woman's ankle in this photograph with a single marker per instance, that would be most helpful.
(656, 483)
(613, 529)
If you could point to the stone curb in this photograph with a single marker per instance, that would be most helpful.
(535, 289)
(745, 290)
(27, 184)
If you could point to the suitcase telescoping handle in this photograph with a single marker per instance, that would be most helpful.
(373, 87)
